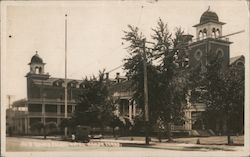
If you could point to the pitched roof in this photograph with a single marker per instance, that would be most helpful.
(51, 80)
(234, 59)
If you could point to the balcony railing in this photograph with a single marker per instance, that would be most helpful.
(48, 114)
(50, 100)
(209, 37)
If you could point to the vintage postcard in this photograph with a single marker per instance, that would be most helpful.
(125, 78)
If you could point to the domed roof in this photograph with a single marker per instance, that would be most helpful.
(36, 59)
(209, 16)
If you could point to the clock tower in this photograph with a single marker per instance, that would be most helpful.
(209, 42)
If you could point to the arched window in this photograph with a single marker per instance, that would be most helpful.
(37, 70)
(219, 53)
(82, 85)
(213, 33)
(198, 54)
(200, 34)
(204, 33)
(73, 84)
(58, 83)
(239, 63)
(40, 70)
(217, 33)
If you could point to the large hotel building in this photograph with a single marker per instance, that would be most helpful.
(45, 94)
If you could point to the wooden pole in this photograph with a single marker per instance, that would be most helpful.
(145, 93)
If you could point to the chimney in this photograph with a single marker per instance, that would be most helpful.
(117, 77)
(107, 76)
(187, 38)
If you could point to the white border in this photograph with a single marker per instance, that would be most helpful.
(5, 4)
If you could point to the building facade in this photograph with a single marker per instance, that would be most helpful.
(45, 94)
(209, 42)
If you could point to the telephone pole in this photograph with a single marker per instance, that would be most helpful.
(145, 93)
(9, 100)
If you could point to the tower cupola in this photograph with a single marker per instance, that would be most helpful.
(209, 26)
(36, 64)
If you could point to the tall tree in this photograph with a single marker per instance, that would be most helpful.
(173, 77)
(224, 98)
(94, 107)
(166, 81)
(134, 68)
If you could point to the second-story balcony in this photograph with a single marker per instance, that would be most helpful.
(47, 114)
(51, 101)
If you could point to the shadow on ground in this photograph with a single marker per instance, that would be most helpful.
(203, 148)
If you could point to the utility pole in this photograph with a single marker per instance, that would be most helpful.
(145, 93)
(65, 80)
(9, 100)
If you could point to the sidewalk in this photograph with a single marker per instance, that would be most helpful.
(213, 143)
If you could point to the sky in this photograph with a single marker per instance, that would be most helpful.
(95, 31)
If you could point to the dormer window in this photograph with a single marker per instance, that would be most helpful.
(82, 85)
(72, 84)
(58, 83)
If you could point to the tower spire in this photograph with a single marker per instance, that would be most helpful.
(208, 9)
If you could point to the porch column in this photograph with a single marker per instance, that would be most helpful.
(73, 108)
(43, 113)
(28, 125)
(130, 109)
(58, 114)
(190, 120)
(188, 123)
(134, 109)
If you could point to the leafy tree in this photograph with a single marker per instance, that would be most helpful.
(166, 81)
(173, 75)
(94, 107)
(134, 67)
(224, 98)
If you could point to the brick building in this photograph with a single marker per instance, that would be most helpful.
(208, 43)
(45, 94)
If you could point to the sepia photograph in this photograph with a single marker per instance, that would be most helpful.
(125, 78)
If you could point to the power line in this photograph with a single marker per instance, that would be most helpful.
(115, 68)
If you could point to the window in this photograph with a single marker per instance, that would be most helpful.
(213, 33)
(200, 34)
(219, 53)
(239, 63)
(50, 108)
(69, 109)
(217, 33)
(35, 107)
(198, 54)
(204, 33)
(58, 83)
(37, 70)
